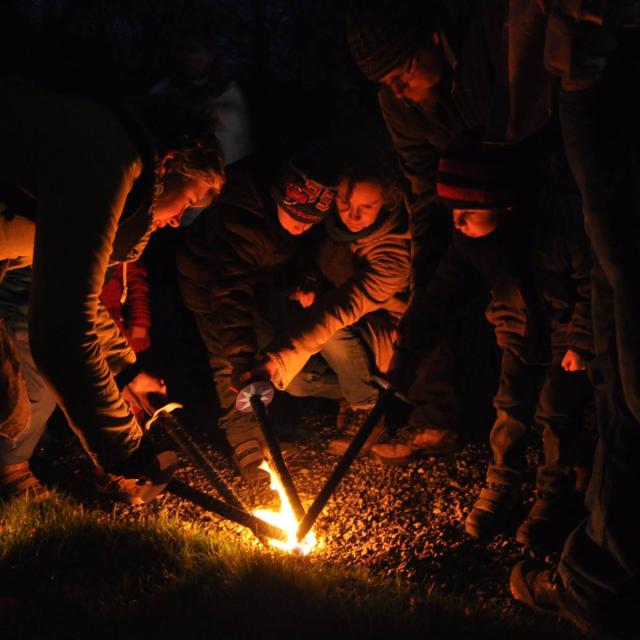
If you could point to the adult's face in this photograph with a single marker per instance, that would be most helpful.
(179, 194)
(418, 78)
(359, 204)
(476, 223)
(290, 224)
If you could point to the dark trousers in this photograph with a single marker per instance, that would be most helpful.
(555, 401)
(601, 559)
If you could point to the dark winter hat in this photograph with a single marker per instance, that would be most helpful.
(304, 198)
(479, 176)
(383, 34)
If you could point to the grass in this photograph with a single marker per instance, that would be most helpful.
(66, 572)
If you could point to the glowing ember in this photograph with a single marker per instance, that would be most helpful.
(285, 519)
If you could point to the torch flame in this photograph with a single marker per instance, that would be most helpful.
(285, 519)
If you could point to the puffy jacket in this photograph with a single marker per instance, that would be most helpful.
(537, 265)
(369, 279)
(233, 260)
(78, 162)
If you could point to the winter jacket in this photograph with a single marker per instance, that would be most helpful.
(537, 264)
(495, 87)
(369, 278)
(234, 259)
(78, 163)
(126, 297)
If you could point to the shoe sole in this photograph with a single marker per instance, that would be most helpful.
(152, 488)
(404, 460)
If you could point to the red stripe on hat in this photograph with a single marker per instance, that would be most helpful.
(470, 195)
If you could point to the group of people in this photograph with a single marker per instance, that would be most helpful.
(516, 142)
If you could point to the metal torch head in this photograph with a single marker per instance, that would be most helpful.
(260, 388)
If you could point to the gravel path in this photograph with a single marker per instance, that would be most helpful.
(398, 522)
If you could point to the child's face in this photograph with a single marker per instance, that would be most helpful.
(290, 224)
(359, 204)
(476, 223)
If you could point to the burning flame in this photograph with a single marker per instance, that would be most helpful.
(285, 519)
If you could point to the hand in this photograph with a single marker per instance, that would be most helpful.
(305, 298)
(146, 392)
(573, 361)
(264, 370)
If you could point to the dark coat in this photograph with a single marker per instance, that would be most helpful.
(233, 258)
(537, 265)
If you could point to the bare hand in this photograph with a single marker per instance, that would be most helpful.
(263, 371)
(305, 298)
(573, 361)
(146, 392)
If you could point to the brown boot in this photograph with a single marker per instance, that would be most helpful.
(338, 446)
(17, 480)
(413, 444)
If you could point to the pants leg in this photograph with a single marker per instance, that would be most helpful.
(514, 405)
(560, 414)
(316, 380)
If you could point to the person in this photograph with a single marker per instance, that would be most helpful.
(536, 260)
(237, 266)
(16, 450)
(135, 168)
(445, 69)
(345, 334)
(593, 49)
(125, 295)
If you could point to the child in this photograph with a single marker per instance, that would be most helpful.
(535, 258)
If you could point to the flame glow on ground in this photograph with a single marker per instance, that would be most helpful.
(285, 519)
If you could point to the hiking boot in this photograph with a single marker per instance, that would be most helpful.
(411, 444)
(338, 446)
(18, 480)
(345, 411)
(495, 504)
(550, 521)
(540, 588)
(140, 478)
(248, 456)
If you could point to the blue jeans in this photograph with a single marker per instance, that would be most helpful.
(600, 564)
(344, 369)
(19, 447)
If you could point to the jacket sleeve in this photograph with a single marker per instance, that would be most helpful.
(430, 224)
(137, 311)
(76, 226)
(579, 331)
(384, 274)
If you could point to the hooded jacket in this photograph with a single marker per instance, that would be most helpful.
(80, 165)
(369, 282)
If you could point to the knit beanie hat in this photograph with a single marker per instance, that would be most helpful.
(304, 198)
(479, 176)
(383, 34)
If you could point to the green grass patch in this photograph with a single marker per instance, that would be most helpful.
(66, 572)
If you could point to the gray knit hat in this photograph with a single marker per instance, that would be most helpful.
(383, 34)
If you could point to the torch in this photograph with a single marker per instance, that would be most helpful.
(255, 397)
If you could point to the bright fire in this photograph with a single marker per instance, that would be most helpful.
(285, 519)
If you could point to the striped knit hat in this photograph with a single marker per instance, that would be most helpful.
(384, 34)
(479, 176)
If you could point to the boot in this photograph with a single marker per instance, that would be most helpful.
(17, 480)
(338, 446)
(495, 505)
(550, 521)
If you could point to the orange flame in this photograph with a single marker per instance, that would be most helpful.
(285, 519)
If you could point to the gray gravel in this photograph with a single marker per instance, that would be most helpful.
(398, 522)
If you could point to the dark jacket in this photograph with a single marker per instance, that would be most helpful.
(537, 265)
(495, 87)
(233, 258)
(82, 165)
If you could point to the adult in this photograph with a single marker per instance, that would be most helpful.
(82, 185)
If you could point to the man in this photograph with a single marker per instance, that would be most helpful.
(445, 69)
(83, 186)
